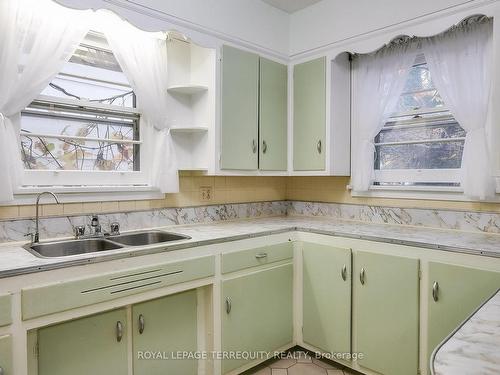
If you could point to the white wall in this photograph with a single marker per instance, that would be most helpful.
(250, 22)
(332, 21)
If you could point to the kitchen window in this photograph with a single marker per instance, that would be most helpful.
(84, 128)
(421, 143)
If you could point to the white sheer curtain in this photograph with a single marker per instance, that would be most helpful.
(36, 38)
(378, 82)
(460, 63)
(143, 58)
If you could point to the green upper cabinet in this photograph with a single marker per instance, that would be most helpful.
(455, 292)
(257, 311)
(239, 109)
(327, 297)
(309, 115)
(5, 309)
(94, 345)
(6, 355)
(386, 312)
(273, 116)
(166, 325)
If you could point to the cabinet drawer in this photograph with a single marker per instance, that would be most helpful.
(5, 309)
(6, 355)
(255, 257)
(48, 299)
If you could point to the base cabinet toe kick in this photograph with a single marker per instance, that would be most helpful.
(374, 307)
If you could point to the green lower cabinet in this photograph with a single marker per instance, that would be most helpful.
(6, 355)
(386, 312)
(327, 297)
(257, 313)
(455, 292)
(167, 326)
(94, 345)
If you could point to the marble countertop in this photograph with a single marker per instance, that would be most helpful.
(14, 260)
(474, 348)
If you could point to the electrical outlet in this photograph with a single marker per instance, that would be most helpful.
(205, 193)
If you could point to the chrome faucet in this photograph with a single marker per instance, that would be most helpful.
(36, 237)
(95, 227)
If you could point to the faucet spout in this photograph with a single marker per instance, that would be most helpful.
(36, 237)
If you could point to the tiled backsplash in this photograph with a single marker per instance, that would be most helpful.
(62, 226)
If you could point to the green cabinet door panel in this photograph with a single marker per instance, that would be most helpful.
(85, 346)
(5, 309)
(327, 297)
(168, 325)
(386, 312)
(273, 116)
(6, 355)
(239, 109)
(257, 313)
(309, 115)
(460, 291)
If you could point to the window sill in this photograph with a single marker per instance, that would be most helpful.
(26, 195)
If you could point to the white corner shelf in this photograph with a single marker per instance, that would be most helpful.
(188, 89)
(189, 129)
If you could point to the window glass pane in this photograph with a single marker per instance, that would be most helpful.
(449, 130)
(419, 100)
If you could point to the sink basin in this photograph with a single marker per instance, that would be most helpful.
(149, 237)
(75, 247)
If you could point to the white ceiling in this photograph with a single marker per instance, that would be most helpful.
(291, 6)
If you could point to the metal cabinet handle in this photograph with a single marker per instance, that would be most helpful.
(435, 291)
(261, 255)
(254, 146)
(119, 331)
(319, 147)
(343, 273)
(228, 305)
(264, 147)
(362, 276)
(1, 371)
(142, 324)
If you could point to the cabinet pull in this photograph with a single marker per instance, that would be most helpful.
(318, 147)
(261, 255)
(119, 331)
(362, 276)
(142, 323)
(435, 291)
(1, 371)
(343, 273)
(254, 146)
(228, 305)
(264, 147)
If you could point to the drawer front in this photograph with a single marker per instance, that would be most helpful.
(5, 310)
(6, 355)
(256, 257)
(63, 296)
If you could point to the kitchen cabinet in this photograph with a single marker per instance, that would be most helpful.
(327, 297)
(167, 325)
(309, 115)
(257, 312)
(273, 116)
(386, 312)
(94, 345)
(6, 355)
(454, 293)
(253, 112)
(239, 109)
(5, 309)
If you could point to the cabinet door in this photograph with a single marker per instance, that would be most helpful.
(239, 111)
(385, 312)
(6, 355)
(327, 297)
(167, 325)
(90, 345)
(309, 114)
(458, 292)
(257, 312)
(273, 116)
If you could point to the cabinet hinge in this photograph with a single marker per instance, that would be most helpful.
(420, 274)
(36, 350)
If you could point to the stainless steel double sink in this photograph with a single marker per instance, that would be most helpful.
(92, 245)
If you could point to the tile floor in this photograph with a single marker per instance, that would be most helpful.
(301, 364)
